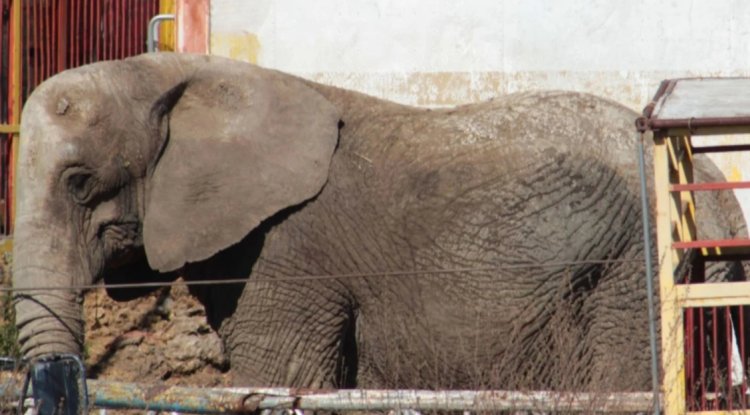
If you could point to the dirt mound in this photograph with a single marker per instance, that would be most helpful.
(163, 337)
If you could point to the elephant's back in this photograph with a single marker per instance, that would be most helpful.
(543, 124)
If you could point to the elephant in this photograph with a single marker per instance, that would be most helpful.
(366, 243)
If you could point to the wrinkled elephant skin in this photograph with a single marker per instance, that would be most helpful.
(164, 165)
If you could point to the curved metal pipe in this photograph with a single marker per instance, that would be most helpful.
(153, 25)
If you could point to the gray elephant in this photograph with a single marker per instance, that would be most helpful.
(489, 245)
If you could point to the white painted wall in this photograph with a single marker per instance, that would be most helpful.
(446, 52)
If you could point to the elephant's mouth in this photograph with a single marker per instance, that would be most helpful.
(119, 240)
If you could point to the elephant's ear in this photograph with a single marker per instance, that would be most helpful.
(236, 145)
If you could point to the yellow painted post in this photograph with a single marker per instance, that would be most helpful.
(15, 106)
(167, 27)
(672, 328)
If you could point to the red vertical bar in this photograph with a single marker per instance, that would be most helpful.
(74, 24)
(689, 358)
(35, 25)
(123, 19)
(43, 45)
(86, 32)
(116, 28)
(112, 30)
(741, 336)
(69, 28)
(77, 28)
(56, 39)
(105, 30)
(141, 31)
(134, 28)
(728, 324)
(6, 100)
(126, 21)
(130, 17)
(4, 50)
(82, 32)
(90, 32)
(702, 357)
(27, 44)
(715, 353)
(97, 16)
(110, 34)
(50, 36)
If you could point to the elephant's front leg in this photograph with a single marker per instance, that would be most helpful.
(295, 334)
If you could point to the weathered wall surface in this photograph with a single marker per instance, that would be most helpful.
(439, 53)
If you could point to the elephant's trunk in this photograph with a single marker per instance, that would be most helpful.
(49, 317)
(51, 324)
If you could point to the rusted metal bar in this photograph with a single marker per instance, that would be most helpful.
(120, 395)
(713, 243)
(715, 345)
(648, 110)
(647, 123)
(729, 343)
(692, 124)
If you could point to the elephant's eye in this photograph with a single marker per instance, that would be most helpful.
(80, 185)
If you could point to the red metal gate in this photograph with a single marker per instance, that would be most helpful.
(61, 34)
(49, 36)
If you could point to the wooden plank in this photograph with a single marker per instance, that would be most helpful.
(672, 327)
(16, 80)
(9, 128)
(713, 294)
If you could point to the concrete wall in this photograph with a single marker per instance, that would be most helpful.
(438, 53)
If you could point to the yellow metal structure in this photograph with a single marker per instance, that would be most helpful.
(693, 110)
(15, 108)
(673, 219)
(167, 28)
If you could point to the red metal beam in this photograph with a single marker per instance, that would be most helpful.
(713, 243)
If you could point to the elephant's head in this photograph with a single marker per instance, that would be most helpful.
(147, 164)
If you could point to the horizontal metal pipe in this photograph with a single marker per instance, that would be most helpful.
(691, 124)
(120, 395)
